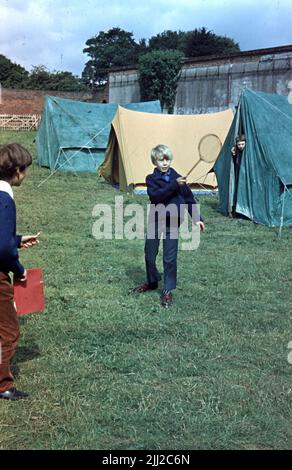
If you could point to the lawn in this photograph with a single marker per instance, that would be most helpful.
(108, 370)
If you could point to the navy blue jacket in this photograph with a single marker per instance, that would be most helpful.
(170, 192)
(9, 241)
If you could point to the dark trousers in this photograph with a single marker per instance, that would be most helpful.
(170, 248)
(9, 331)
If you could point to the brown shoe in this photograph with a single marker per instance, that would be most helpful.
(144, 287)
(166, 299)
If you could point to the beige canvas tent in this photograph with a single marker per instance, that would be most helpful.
(133, 135)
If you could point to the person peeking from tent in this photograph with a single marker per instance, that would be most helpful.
(170, 197)
(236, 152)
(14, 160)
(240, 142)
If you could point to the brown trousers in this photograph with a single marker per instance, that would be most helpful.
(9, 331)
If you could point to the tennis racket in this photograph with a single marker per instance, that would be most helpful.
(209, 148)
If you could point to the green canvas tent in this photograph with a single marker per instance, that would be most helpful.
(264, 191)
(73, 135)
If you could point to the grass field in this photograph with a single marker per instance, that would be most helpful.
(106, 370)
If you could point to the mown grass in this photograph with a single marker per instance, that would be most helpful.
(106, 370)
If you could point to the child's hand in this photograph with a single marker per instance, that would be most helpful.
(29, 240)
(181, 180)
(201, 226)
(233, 151)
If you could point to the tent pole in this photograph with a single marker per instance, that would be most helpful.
(282, 215)
(57, 160)
(67, 160)
(92, 158)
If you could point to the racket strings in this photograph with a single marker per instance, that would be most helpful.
(209, 148)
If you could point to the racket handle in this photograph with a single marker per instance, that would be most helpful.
(193, 167)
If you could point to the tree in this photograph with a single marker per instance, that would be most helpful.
(115, 47)
(65, 81)
(202, 42)
(39, 78)
(42, 79)
(159, 72)
(174, 40)
(12, 75)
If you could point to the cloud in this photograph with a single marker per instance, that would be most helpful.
(52, 33)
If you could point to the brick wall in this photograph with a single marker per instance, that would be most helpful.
(31, 101)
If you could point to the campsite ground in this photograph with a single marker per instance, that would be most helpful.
(111, 371)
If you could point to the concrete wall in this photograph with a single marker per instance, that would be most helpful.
(124, 87)
(214, 84)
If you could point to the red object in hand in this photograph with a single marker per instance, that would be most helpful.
(29, 295)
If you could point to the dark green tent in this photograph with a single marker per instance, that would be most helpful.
(264, 192)
(73, 135)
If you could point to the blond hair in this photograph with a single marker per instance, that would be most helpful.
(160, 151)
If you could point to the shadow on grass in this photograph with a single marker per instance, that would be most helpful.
(25, 353)
(212, 203)
(136, 275)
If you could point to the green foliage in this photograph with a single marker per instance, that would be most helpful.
(201, 42)
(41, 79)
(115, 47)
(194, 43)
(12, 75)
(168, 40)
(159, 72)
(66, 81)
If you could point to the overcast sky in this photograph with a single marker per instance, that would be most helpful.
(53, 32)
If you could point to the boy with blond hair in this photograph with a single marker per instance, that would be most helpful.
(169, 196)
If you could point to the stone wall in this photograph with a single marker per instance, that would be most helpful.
(212, 84)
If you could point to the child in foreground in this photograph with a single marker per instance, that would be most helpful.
(169, 196)
(14, 160)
